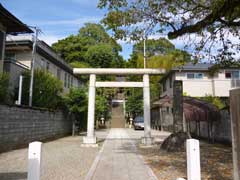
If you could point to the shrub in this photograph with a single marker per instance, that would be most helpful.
(215, 101)
(46, 90)
(102, 108)
(76, 100)
(76, 103)
(4, 82)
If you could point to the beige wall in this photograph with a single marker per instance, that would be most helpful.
(217, 85)
(25, 57)
(197, 88)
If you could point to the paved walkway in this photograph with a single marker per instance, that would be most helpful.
(62, 159)
(119, 158)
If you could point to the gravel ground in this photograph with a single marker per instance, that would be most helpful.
(65, 159)
(62, 159)
(216, 162)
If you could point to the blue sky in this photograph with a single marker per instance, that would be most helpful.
(58, 18)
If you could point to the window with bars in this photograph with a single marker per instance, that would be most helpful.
(232, 74)
(47, 66)
(194, 75)
(59, 74)
(71, 81)
(68, 84)
(65, 80)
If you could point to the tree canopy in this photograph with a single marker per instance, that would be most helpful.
(214, 23)
(159, 46)
(161, 53)
(91, 47)
(134, 103)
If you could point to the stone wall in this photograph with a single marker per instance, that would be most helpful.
(163, 120)
(19, 126)
(221, 129)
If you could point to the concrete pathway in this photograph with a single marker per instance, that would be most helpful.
(62, 159)
(119, 159)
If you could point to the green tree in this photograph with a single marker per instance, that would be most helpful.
(76, 102)
(100, 55)
(213, 22)
(47, 90)
(92, 47)
(72, 48)
(134, 103)
(162, 54)
(214, 100)
(159, 46)
(102, 107)
(80, 48)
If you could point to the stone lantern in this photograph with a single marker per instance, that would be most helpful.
(102, 120)
(131, 122)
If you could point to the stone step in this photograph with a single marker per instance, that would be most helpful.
(118, 120)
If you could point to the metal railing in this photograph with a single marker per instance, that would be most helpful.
(14, 61)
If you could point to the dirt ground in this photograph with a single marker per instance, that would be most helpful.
(216, 162)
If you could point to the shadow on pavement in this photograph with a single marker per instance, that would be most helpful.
(13, 176)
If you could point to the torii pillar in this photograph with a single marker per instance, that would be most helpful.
(90, 139)
(147, 139)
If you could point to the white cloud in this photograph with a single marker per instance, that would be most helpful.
(86, 2)
(79, 21)
(50, 39)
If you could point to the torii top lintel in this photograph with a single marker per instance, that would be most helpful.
(118, 71)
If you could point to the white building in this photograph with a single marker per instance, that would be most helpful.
(19, 49)
(199, 80)
(9, 24)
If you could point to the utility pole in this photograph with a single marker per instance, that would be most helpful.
(144, 49)
(144, 41)
(32, 65)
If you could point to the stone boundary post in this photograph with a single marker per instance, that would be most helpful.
(34, 161)
(235, 126)
(193, 160)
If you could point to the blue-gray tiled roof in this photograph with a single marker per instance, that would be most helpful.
(194, 67)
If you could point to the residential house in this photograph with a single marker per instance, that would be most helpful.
(19, 50)
(200, 80)
(199, 117)
(9, 24)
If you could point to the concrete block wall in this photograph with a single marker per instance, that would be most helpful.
(19, 126)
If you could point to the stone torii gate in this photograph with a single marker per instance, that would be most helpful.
(91, 138)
